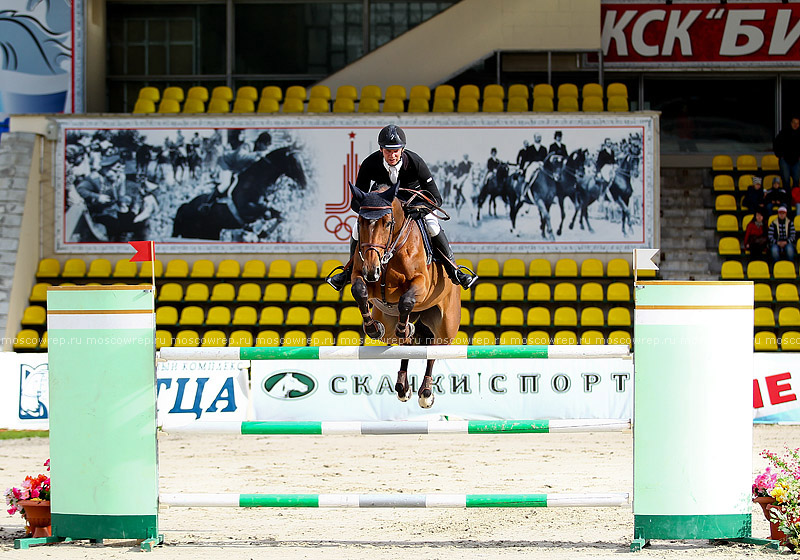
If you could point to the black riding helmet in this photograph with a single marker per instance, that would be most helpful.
(391, 137)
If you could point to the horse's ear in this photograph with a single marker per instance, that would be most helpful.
(358, 194)
(389, 194)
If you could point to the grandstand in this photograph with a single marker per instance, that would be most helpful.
(543, 69)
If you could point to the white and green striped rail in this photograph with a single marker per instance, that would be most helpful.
(395, 500)
(406, 427)
(398, 352)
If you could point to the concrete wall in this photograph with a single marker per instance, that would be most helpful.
(470, 31)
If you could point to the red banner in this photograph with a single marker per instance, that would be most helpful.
(748, 34)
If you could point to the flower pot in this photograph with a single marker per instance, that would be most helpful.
(764, 501)
(774, 532)
(37, 513)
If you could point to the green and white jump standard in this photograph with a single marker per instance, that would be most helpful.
(395, 500)
(406, 427)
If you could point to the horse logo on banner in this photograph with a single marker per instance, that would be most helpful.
(34, 396)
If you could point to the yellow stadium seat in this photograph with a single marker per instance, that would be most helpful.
(483, 338)
(394, 105)
(169, 106)
(344, 105)
(324, 315)
(592, 105)
(539, 291)
(592, 317)
(461, 338)
(763, 292)
(191, 315)
(722, 163)
(369, 105)
(538, 338)
(420, 92)
(617, 104)
(244, 106)
(727, 223)
(494, 90)
(196, 291)
(298, 315)
(318, 105)
(48, 268)
(321, 338)
(518, 90)
(565, 317)
(163, 339)
(786, 292)
(39, 292)
(566, 267)
(619, 337)
(543, 105)
(320, 91)
(488, 268)
(757, 270)
(517, 105)
(198, 92)
(271, 315)
(493, 105)
(396, 92)
(326, 293)
(301, 292)
(170, 291)
(99, 268)
(268, 105)
(347, 92)
(784, 270)
(765, 341)
(228, 268)
(544, 91)
(538, 316)
(591, 268)
(293, 105)
(348, 338)
(371, 92)
(565, 337)
(514, 268)
(214, 339)
(445, 91)
(443, 105)
(512, 291)
(568, 104)
(187, 338)
(327, 266)
(350, 316)
(150, 93)
(618, 268)
(619, 317)
(723, 183)
(254, 268)
(567, 90)
(789, 317)
(540, 268)
(305, 268)
(418, 105)
(347, 294)
(732, 270)
(74, 268)
(746, 162)
(512, 316)
(790, 340)
(295, 338)
(267, 338)
(222, 291)
(769, 162)
(173, 92)
(247, 92)
(177, 268)
(729, 246)
(244, 315)
(240, 339)
(34, 315)
(511, 338)
(201, 268)
(144, 106)
(151, 268)
(592, 90)
(296, 92)
(166, 315)
(469, 90)
(565, 291)
(591, 291)
(464, 316)
(484, 316)
(592, 337)
(279, 268)
(485, 291)
(617, 89)
(193, 106)
(467, 105)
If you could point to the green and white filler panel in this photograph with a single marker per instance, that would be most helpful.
(693, 393)
(103, 454)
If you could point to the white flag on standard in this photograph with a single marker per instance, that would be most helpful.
(643, 259)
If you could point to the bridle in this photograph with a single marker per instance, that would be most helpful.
(388, 249)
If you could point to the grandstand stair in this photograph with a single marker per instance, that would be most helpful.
(685, 237)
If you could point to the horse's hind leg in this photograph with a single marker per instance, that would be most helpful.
(425, 392)
(401, 386)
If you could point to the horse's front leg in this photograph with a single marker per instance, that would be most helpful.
(425, 392)
(372, 328)
(563, 215)
(401, 386)
(405, 328)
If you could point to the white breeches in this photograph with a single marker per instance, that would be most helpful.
(431, 225)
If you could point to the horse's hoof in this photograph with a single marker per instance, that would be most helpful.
(403, 393)
(377, 332)
(410, 330)
(426, 402)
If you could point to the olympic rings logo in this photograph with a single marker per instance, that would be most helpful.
(341, 229)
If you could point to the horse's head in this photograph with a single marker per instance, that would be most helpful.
(378, 214)
(554, 165)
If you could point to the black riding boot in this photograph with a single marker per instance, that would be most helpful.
(340, 280)
(442, 246)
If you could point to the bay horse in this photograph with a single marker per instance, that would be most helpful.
(583, 185)
(396, 285)
(541, 190)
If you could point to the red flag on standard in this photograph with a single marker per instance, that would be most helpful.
(144, 251)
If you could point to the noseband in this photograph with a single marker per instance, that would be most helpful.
(382, 257)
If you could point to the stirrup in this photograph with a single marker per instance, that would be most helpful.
(469, 272)
(331, 274)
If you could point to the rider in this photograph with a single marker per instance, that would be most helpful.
(235, 160)
(393, 164)
(605, 165)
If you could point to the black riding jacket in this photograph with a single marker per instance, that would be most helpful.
(414, 174)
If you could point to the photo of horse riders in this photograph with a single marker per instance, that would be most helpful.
(176, 185)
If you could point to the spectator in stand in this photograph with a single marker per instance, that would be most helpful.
(776, 197)
(781, 237)
(755, 235)
(754, 198)
(796, 200)
(787, 147)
